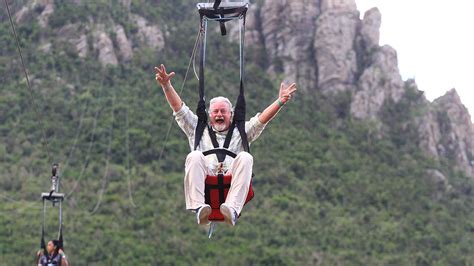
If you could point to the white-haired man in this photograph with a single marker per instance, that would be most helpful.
(198, 166)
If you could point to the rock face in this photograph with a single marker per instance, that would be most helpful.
(334, 52)
(46, 13)
(124, 46)
(105, 47)
(75, 34)
(379, 82)
(450, 133)
(45, 8)
(81, 45)
(285, 30)
(370, 29)
(440, 182)
(338, 4)
(325, 46)
(105, 39)
(149, 34)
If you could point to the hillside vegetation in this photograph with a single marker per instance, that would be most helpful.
(329, 189)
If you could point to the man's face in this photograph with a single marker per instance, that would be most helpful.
(220, 115)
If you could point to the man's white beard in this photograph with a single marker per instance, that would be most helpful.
(219, 127)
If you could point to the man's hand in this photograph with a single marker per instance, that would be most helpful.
(162, 77)
(286, 92)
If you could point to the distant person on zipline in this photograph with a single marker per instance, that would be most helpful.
(198, 166)
(55, 255)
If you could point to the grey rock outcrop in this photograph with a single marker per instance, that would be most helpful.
(105, 39)
(46, 13)
(379, 82)
(285, 30)
(370, 29)
(440, 182)
(348, 5)
(124, 45)
(21, 15)
(75, 34)
(446, 131)
(311, 42)
(81, 45)
(430, 134)
(44, 7)
(103, 44)
(149, 34)
(335, 55)
(456, 130)
(253, 31)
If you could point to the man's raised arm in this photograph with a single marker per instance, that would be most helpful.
(286, 92)
(164, 79)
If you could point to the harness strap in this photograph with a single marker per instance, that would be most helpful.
(43, 243)
(239, 117)
(223, 29)
(228, 138)
(220, 186)
(201, 108)
(216, 4)
(55, 260)
(60, 237)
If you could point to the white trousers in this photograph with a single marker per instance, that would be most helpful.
(196, 170)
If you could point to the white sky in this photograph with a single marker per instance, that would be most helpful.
(434, 40)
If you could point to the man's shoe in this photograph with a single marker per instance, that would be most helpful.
(202, 214)
(230, 215)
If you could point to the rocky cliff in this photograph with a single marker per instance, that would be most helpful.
(325, 46)
(102, 37)
(446, 131)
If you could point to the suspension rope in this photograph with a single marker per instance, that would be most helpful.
(127, 142)
(76, 138)
(193, 54)
(107, 163)
(91, 142)
(32, 101)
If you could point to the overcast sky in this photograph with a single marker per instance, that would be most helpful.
(434, 40)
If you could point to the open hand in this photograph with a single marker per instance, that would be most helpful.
(286, 92)
(161, 76)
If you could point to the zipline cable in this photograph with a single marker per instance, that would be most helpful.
(33, 103)
(127, 142)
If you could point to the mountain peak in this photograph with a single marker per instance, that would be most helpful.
(450, 96)
(338, 4)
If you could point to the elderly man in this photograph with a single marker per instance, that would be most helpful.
(198, 166)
